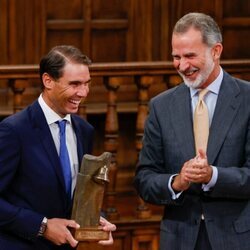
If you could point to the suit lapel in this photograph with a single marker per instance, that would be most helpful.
(227, 106)
(182, 121)
(79, 138)
(43, 132)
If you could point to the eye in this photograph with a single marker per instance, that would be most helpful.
(74, 83)
(175, 57)
(191, 56)
(87, 84)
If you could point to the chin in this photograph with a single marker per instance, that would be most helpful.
(192, 84)
(196, 83)
(72, 109)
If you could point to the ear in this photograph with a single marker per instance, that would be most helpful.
(217, 50)
(47, 81)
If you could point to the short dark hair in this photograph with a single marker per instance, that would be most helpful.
(209, 29)
(53, 63)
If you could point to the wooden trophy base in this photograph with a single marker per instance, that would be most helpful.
(90, 234)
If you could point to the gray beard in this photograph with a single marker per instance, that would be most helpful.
(201, 78)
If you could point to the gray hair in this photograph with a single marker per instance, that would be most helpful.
(209, 29)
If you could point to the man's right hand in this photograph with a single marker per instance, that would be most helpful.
(196, 170)
(182, 180)
(58, 231)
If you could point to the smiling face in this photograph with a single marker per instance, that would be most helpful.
(65, 94)
(196, 62)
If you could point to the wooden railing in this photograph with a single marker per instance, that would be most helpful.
(117, 106)
(24, 82)
(116, 88)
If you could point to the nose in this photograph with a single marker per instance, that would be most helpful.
(83, 91)
(183, 65)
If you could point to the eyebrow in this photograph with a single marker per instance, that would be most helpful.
(185, 55)
(76, 81)
(88, 80)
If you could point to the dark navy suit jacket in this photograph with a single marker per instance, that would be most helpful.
(169, 142)
(31, 179)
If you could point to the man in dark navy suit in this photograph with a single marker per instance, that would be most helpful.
(205, 189)
(34, 204)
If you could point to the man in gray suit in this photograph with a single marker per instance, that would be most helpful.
(205, 191)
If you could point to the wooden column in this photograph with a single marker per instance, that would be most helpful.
(143, 84)
(172, 80)
(111, 144)
(18, 86)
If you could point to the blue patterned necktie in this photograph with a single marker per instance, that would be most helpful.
(64, 157)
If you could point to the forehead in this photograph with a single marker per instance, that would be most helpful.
(73, 71)
(192, 38)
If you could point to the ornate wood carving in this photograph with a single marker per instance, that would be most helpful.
(23, 81)
(143, 84)
(111, 144)
(18, 86)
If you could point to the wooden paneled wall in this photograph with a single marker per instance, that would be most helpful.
(109, 32)
(114, 30)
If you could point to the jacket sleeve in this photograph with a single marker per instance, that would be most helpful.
(17, 220)
(152, 176)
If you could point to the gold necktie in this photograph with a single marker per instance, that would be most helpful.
(201, 123)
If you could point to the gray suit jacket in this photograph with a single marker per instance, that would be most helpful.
(168, 142)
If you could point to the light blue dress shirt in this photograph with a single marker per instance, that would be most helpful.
(210, 99)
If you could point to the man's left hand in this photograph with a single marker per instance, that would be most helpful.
(199, 170)
(109, 227)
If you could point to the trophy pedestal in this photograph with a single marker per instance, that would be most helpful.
(90, 234)
(88, 198)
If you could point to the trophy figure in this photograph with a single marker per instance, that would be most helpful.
(88, 197)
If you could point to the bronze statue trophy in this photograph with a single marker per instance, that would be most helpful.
(88, 197)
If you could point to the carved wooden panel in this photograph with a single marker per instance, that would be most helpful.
(235, 26)
(99, 28)
(132, 235)
(114, 30)
(117, 110)
(232, 16)
(3, 31)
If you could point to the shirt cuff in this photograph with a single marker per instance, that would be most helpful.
(174, 195)
(212, 182)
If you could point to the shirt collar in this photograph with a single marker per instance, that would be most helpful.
(213, 87)
(50, 115)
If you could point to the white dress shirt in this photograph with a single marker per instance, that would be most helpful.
(52, 117)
